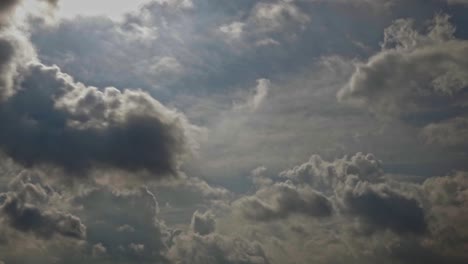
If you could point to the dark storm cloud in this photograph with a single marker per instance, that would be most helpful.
(382, 208)
(56, 121)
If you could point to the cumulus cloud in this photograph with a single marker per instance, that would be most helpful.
(27, 218)
(27, 208)
(56, 121)
(358, 187)
(447, 199)
(15, 51)
(375, 216)
(324, 175)
(213, 248)
(417, 77)
(203, 224)
(99, 250)
(281, 200)
(124, 224)
(382, 208)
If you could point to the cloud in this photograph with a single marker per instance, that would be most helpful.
(69, 9)
(28, 208)
(281, 200)
(233, 30)
(417, 77)
(15, 51)
(256, 99)
(382, 208)
(99, 250)
(213, 248)
(324, 175)
(203, 224)
(125, 223)
(452, 132)
(447, 199)
(358, 186)
(277, 16)
(376, 216)
(278, 19)
(56, 121)
(26, 218)
(6, 6)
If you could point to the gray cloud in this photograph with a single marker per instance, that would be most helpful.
(215, 249)
(28, 208)
(382, 208)
(27, 218)
(417, 77)
(125, 224)
(324, 175)
(203, 224)
(280, 200)
(358, 186)
(452, 132)
(15, 51)
(7, 5)
(267, 24)
(53, 120)
(56, 121)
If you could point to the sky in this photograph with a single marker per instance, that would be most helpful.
(233, 132)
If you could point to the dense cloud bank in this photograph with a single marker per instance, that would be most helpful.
(368, 210)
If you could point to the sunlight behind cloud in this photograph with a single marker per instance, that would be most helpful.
(110, 8)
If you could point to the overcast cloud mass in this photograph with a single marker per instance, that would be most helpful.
(233, 132)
